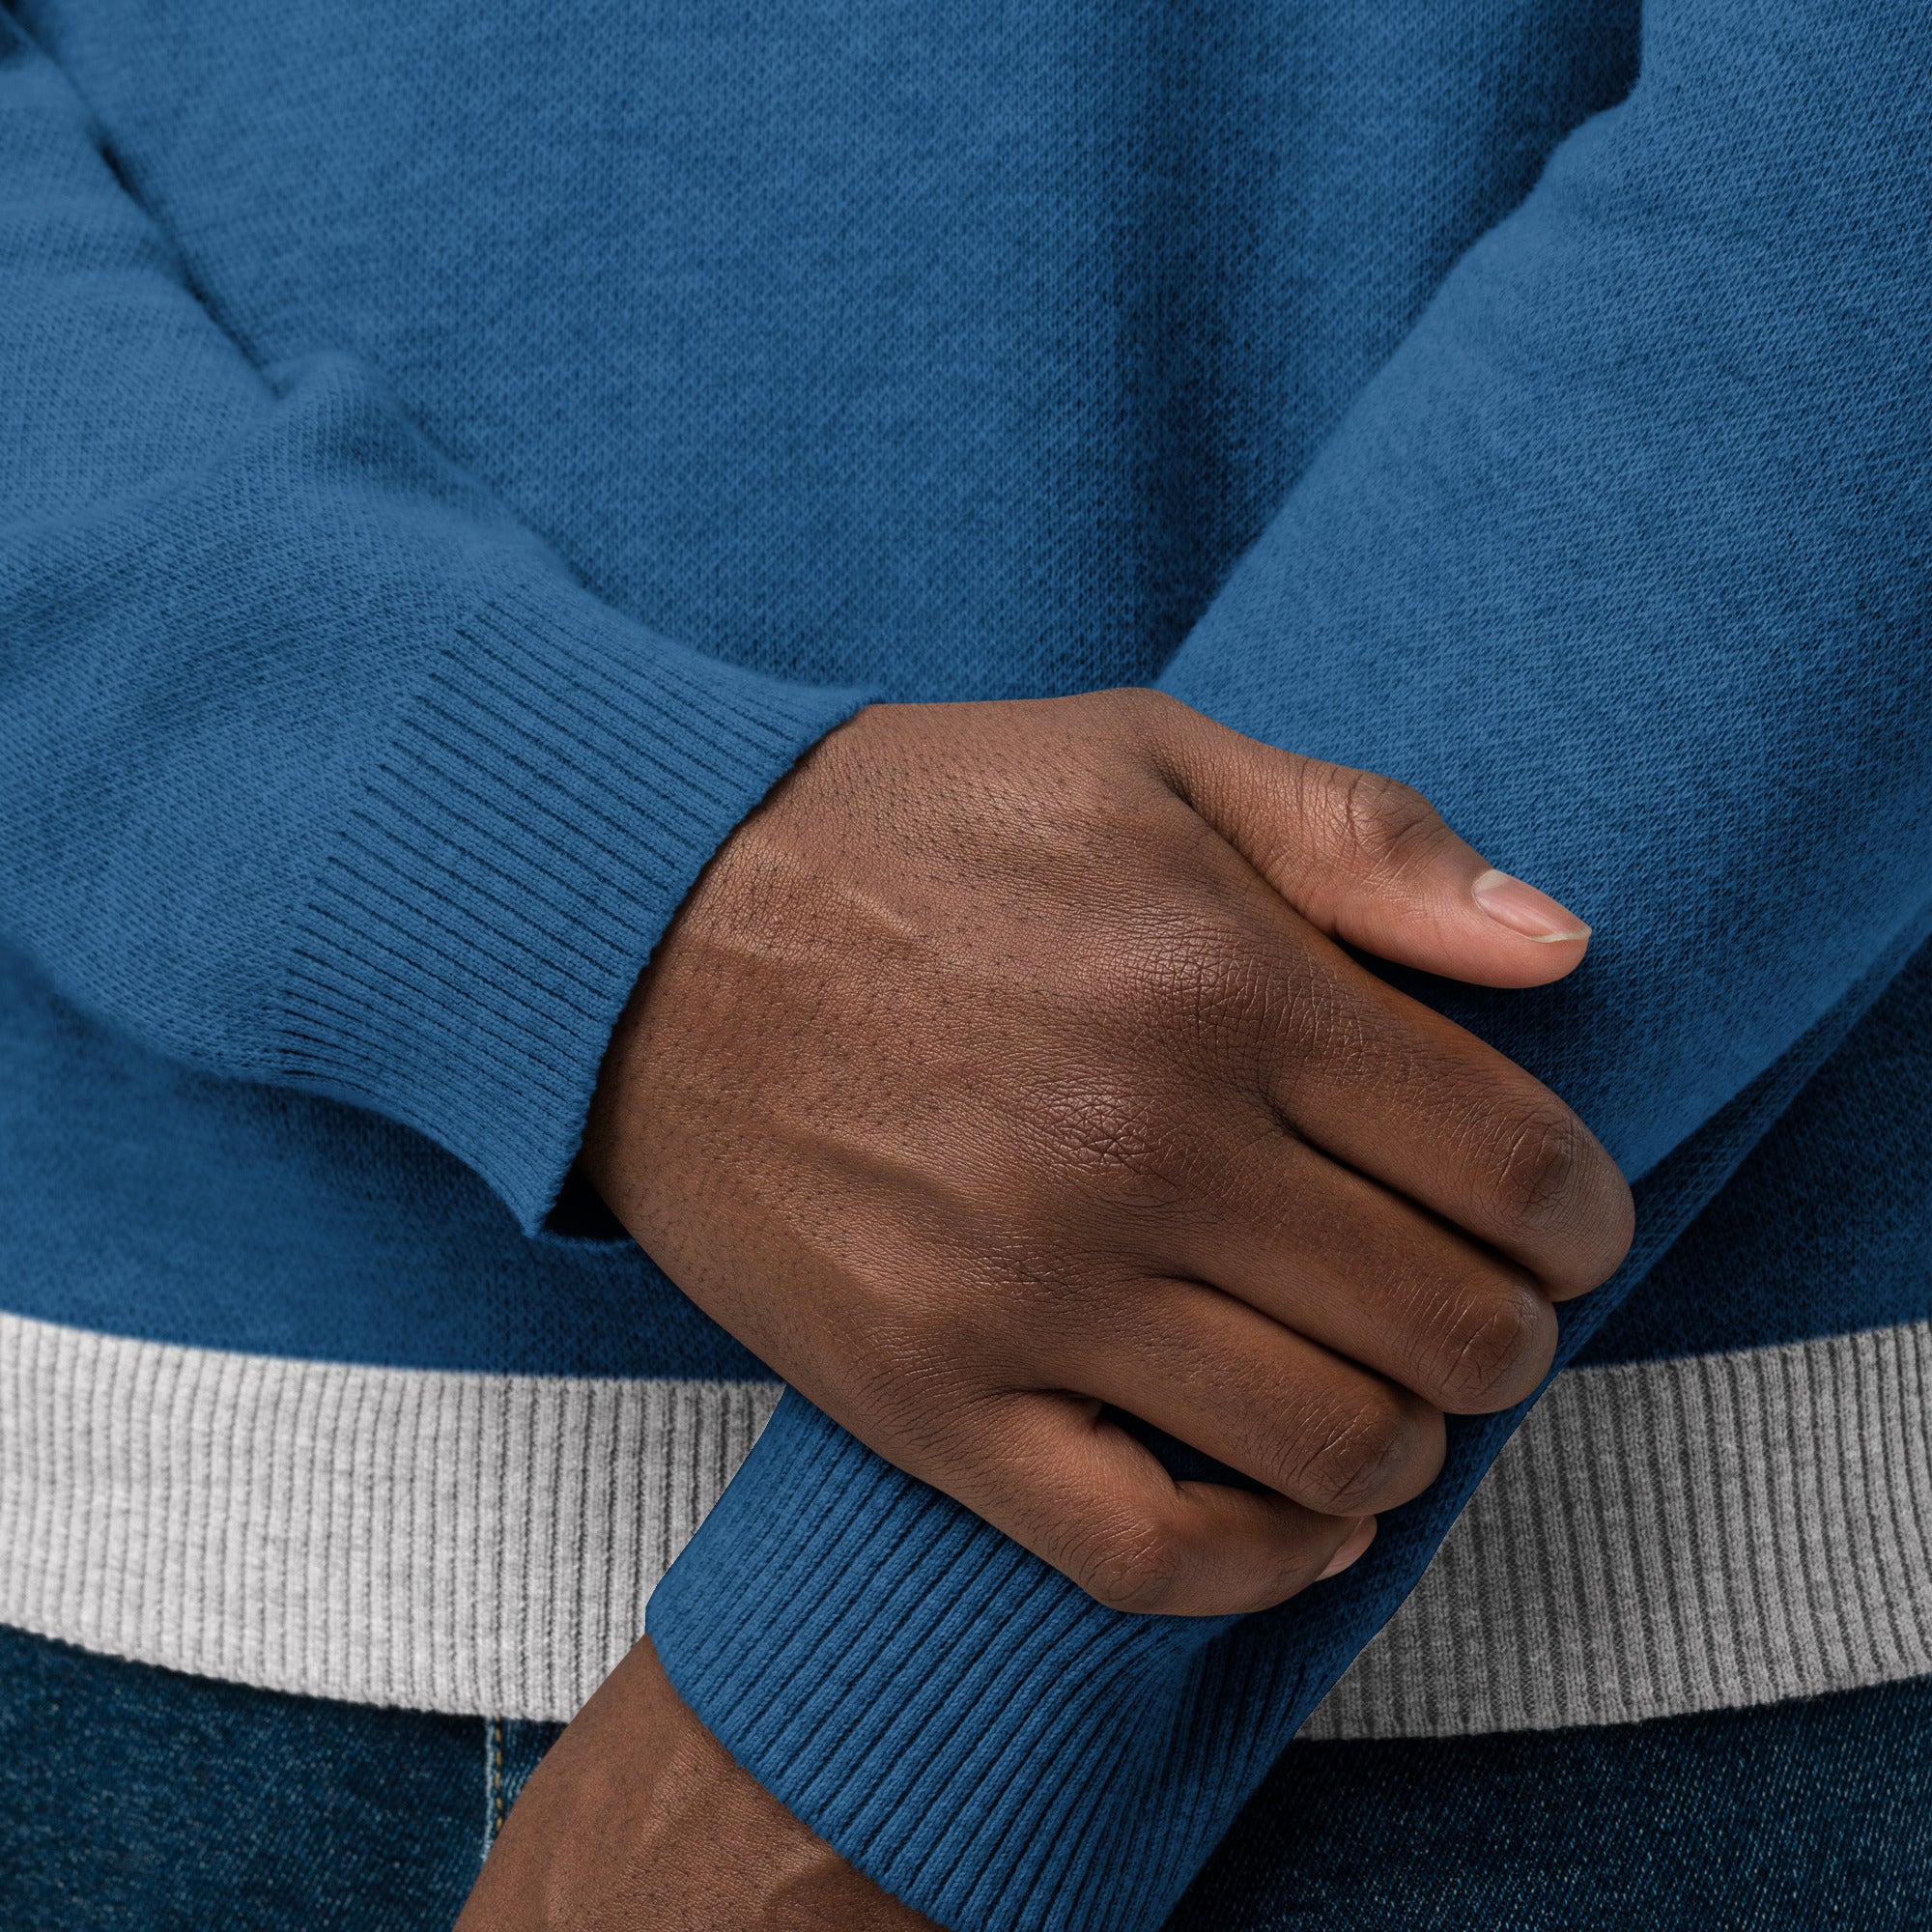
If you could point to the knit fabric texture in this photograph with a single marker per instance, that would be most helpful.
(454, 459)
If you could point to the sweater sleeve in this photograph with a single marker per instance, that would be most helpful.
(315, 767)
(1622, 561)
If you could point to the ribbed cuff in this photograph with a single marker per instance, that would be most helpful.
(968, 1728)
(979, 1736)
(550, 794)
(986, 1741)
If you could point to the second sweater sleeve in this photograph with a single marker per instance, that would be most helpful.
(316, 767)
(1621, 559)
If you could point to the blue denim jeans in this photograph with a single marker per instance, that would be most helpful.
(132, 1798)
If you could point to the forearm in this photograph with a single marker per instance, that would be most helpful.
(1620, 562)
(637, 1821)
(316, 767)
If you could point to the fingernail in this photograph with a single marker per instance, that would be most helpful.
(1524, 909)
(1360, 1538)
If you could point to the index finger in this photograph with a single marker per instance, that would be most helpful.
(1388, 1085)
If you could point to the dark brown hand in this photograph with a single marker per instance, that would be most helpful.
(1004, 1065)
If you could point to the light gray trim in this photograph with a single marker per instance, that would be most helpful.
(1662, 1537)
(1673, 1536)
(464, 1543)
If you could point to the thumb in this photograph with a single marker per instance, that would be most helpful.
(1370, 861)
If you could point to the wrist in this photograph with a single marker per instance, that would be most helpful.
(639, 1821)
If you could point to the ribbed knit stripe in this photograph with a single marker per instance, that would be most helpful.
(1661, 1537)
(464, 1543)
(546, 802)
(1672, 1535)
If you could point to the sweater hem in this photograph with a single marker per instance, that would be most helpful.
(1661, 1537)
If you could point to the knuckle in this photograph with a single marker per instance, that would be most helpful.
(1040, 1303)
(1490, 1344)
(1135, 1565)
(1538, 1170)
(1205, 975)
(1347, 1459)
(1337, 1041)
(1383, 820)
(1619, 1228)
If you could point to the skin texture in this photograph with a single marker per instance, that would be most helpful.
(1004, 1069)
(636, 1821)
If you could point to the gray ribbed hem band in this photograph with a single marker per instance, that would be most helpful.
(1658, 1538)
(1685, 1535)
(464, 1543)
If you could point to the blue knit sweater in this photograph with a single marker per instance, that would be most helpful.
(453, 458)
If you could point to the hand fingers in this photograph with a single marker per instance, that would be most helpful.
(1378, 1079)
(1083, 1496)
(1217, 1375)
(1368, 1274)
(1367, 859)
(1392, 1089)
